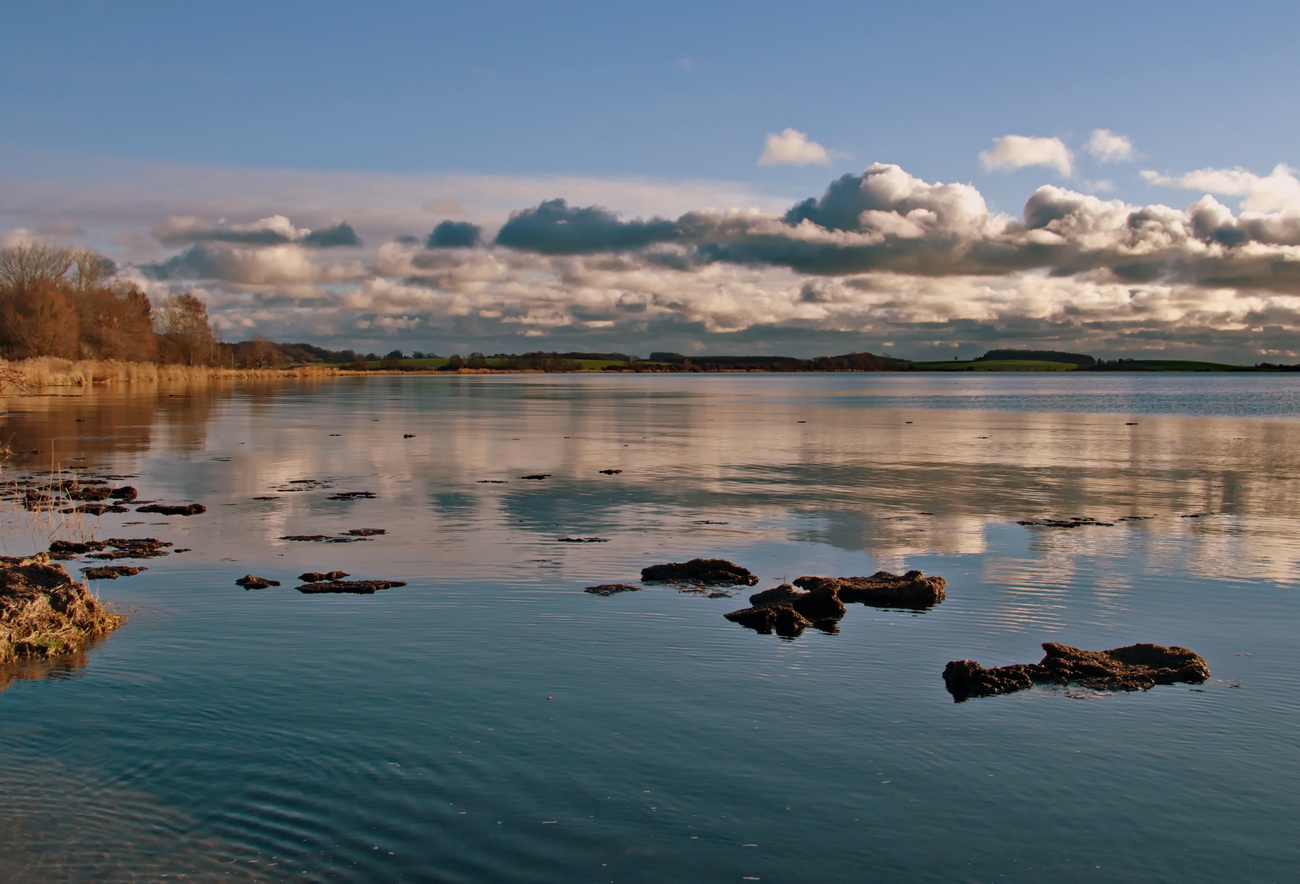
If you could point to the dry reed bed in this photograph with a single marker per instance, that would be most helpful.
(44, 612)
(48, 371)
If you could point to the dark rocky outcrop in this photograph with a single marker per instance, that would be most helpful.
(252, 581)
(700, 572)
(164, 509)
(126, 492)
(582, 540)
(44, 612)
(133, 548)
(90, 493)
(608, 589)
(112, 572)
(611, 472)
(883, 589)
(821, 601)
(1130, 668)
(69, 549)
(319, 576)
(537, 476)
(358, 587)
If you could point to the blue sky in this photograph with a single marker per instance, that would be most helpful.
(200, 145)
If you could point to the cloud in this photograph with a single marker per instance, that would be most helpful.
(553, 228)
(1279, 191)
(1109, 147)
(454, 234)
(340, 235)
(272, 231)
(792, 148)
(1018, 151)
(879, 256)
(289, 264)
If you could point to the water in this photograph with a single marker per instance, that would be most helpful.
(492, 722)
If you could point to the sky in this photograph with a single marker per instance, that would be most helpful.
(928, 180)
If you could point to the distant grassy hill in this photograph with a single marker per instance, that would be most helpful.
(995, 365)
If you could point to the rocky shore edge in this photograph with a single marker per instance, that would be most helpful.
(45, 613)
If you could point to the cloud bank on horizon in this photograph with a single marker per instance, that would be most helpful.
(881, 260)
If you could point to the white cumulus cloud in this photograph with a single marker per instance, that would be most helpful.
(792, 148)
(1278, 191)
(1110, 147)
(1019, 151)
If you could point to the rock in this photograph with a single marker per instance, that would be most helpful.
(537, 476)
(359, 587)
(352, 495)
(133, 548)
(90, 493)
(319, 576)
(819, 603)
(44, 612)
(608, 589)
(582, 540)
(307, 538)
(491, 481)
(186, 509)
(701, 572)
(784, 620)
(112, 572)
(883, 589)
(821, 600)
(126, 492)
(67, 549)
(1072, 522)
(408, 435)
(365, 532)
(1130, 668)
(611, 472)
(252, 581)
(98, 509)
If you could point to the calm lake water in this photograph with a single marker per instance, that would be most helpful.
(491, 722)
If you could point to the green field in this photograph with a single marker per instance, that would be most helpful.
(996, 365)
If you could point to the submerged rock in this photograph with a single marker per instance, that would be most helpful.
(112, 572)
(359, 587)
(1130, 668)
(186, 509)
(582, 540)
(252, 581)
(44, 612)
(68, 549)
(701, 572)
(608, 589)
(1072, 522)
(133, 548)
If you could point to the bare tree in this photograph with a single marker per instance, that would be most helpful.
(184, 330)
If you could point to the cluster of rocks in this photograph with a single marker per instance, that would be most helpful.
(821, 602)
(91, 495)
(317, 582)
(352, 535)
(1130, 668)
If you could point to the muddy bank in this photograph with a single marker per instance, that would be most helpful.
(1130, 668)
(44, 612)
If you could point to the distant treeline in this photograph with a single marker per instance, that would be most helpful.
(848, 362)
(1079, 359)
